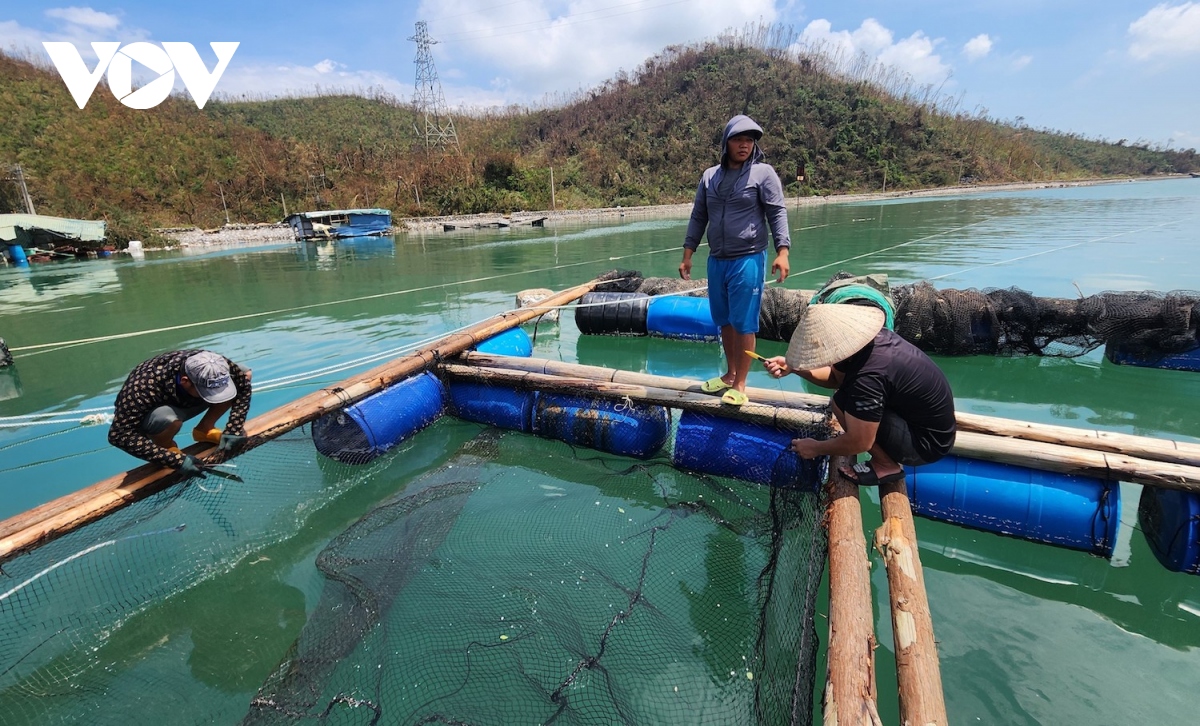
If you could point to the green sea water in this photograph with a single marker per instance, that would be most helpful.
(1027, 633)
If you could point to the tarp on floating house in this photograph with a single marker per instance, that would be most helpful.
(340, 223)
(38, 230)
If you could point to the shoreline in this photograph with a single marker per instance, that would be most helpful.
(251, 234)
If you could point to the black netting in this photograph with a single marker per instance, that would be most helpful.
(1014, 322)
(1007, 321)
(505, 578)
(531, 582)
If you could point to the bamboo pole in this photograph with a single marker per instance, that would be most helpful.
(1079, 457)
(850, 696)
(917, 672)
(1081, 462)
(784, 418)
(66, 514)
(1142, 447)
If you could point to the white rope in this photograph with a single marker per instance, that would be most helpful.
(1058, 249)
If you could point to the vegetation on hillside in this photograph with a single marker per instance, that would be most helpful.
(640, 138)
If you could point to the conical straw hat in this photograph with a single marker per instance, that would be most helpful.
(829, 333)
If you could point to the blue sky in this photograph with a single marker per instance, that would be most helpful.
(1101, 68)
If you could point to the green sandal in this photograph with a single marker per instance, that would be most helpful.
(734, 397)
(714, 385)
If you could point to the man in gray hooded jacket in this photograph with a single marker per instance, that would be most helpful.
(736, 201)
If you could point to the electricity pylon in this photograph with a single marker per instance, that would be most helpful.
(428, 98)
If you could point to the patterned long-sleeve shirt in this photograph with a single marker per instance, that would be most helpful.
(155, 383)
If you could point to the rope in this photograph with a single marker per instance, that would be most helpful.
(1058, 249)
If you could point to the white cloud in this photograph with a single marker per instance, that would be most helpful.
(533, 45)
(18, 38)
(977, 47)
(1020, 62)
(257, 80)
(85, 17)
(915, 55)
(1166, 31)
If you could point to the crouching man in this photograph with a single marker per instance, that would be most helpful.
(891, 400)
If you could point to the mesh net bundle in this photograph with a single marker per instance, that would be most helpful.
(1007, 322)
(1012, 321)
(495, 577)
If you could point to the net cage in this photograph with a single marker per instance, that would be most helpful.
(993, 321)
(469, 575)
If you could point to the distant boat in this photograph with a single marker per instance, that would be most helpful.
(1195, 174)
(336, 223)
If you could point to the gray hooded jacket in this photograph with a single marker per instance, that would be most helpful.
(737, 226)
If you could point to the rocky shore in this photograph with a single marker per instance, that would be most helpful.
(264, 234)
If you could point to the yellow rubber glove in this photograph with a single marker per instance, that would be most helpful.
(211, 436)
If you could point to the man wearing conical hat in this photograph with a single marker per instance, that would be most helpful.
(890, 398)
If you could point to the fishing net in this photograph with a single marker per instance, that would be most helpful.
(1007, 322)
(1014, 322)
(470, 575)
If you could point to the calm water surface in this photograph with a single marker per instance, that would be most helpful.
(1028, 633)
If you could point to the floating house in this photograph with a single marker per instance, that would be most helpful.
(21, 232)
(336, 223)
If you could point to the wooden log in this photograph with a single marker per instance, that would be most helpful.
(1142, 447)
(66, 514)
(1080, 458)
(849, 698)
(1071, 460)
(918, 674)
(788, 419)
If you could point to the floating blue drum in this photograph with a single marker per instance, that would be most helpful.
(1078, 512)
(624, 428)
(681, 316)
(17, 253)
(362, 432)
(746, 451)
(499, 406)
(514, 342)
(1187, 361)
(1170, 519)
(612, 313)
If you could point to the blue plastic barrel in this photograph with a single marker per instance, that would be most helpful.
(510, 342)
(1078, 512)
(499, 406)
(359, 433)
(1124, 356)
(17, 253)
(687, 318)
(1170, 519)
(628, 429)
(746, 451)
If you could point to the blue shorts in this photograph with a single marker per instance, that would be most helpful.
(735, 289)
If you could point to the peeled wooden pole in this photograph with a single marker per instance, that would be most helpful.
(1081, 458)
(784, 418)
(66, 514)
(1142, 447)
(850, 695)
(917, 672)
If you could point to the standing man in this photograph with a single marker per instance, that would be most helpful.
(890, 398)
(163, 392)
(736, 201)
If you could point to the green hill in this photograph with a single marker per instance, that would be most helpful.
(640, 138)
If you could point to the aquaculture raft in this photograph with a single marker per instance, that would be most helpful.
(707, 479)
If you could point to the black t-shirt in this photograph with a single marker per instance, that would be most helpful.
(892, 374)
